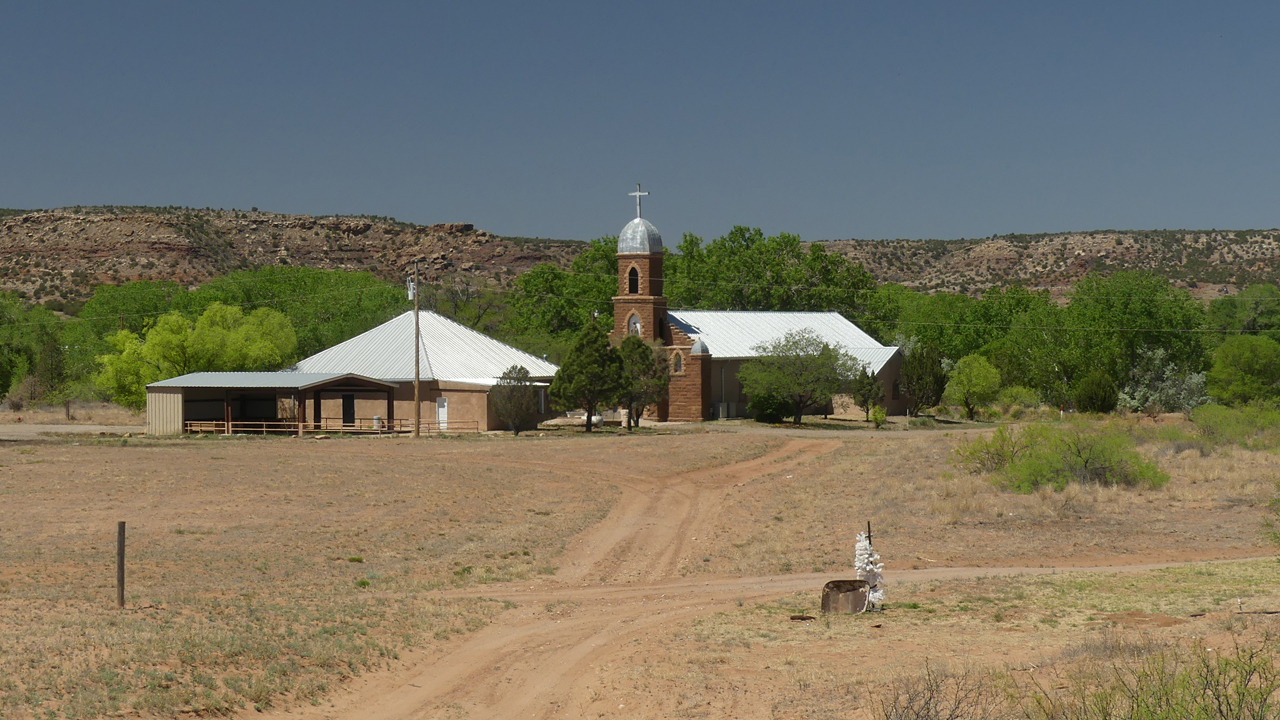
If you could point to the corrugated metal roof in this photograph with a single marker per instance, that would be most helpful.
(449, 352)
(286, 380)
(734, 334)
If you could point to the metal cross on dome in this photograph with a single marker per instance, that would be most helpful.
(637, 194)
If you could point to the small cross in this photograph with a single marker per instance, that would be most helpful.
(637, 194)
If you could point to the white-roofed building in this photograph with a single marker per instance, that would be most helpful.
(362, 384)
(708, 347)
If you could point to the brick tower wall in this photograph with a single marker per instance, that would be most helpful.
(650, 270)
(689, 394)
(651, 311)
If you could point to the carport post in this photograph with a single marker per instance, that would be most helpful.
(417, 351)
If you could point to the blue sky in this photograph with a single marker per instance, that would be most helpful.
(830, 120)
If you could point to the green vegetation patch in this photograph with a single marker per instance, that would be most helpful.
(1024, 459)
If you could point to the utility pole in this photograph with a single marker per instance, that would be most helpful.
(417, 351)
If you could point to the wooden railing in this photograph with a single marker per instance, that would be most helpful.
(363, 426)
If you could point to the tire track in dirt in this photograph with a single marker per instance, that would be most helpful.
(527, 662)
(645, 535)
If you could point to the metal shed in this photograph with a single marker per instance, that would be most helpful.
(231, 402)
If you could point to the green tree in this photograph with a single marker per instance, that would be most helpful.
(1042, 351)
(324, 307)
(645, 376)
(133, 306)
(554, 302)
(222, 339)
(923, 378)
(1118, 316)
(1097, 393)
(745, 270)
(974, 383)
(13, 361)
(1255, 310)
(799, 368)
(515, 400)
(1246, 368)
(591, 374)
(866, 390)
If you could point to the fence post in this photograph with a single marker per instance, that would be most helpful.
(120, 564)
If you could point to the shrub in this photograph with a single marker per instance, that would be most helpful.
(879, 415)
(1044, 456)
(515, 400)
(1168, 683)
(995, 453)
(1097, 393)
(1255, 426)
(768, 409)
(1017, 396)
(1158, 385)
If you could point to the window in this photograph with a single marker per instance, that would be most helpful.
(633, 325)
(633, 281)
(896, 390)
(677, 363)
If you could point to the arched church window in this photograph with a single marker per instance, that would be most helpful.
(633, 325)
(677, 363)
(633, 281)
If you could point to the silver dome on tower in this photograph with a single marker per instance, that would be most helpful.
(639, 237)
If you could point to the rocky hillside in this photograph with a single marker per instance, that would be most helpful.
(61, 255)
(1209, 263)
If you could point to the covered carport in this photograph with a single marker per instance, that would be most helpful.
(270, 402)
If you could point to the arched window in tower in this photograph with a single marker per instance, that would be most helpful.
(633, 325)
(633, 281)
(677, 363)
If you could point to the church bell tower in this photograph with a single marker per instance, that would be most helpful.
(639, 307)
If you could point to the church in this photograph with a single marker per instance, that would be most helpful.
(707, 347)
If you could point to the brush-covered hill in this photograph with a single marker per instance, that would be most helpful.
(1208, 262)
(61, 255)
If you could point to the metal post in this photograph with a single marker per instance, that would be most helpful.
(120, 564)
(417, 351)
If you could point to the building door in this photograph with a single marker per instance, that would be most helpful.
(442, 412)
(348, 410)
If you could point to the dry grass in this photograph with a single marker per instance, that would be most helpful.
(925, 512)
(82, 413)
(266, 572)
(1028, 626)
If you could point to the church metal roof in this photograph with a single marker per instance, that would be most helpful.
(733, 335)
(449, 352)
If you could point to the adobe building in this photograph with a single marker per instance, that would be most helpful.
(707, 347)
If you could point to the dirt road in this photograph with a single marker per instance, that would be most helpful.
(618, 582)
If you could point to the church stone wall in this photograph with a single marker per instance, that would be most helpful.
(689, 394)
(649, 268)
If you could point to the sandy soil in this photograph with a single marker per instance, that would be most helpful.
(585, 643)
(677, 602)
